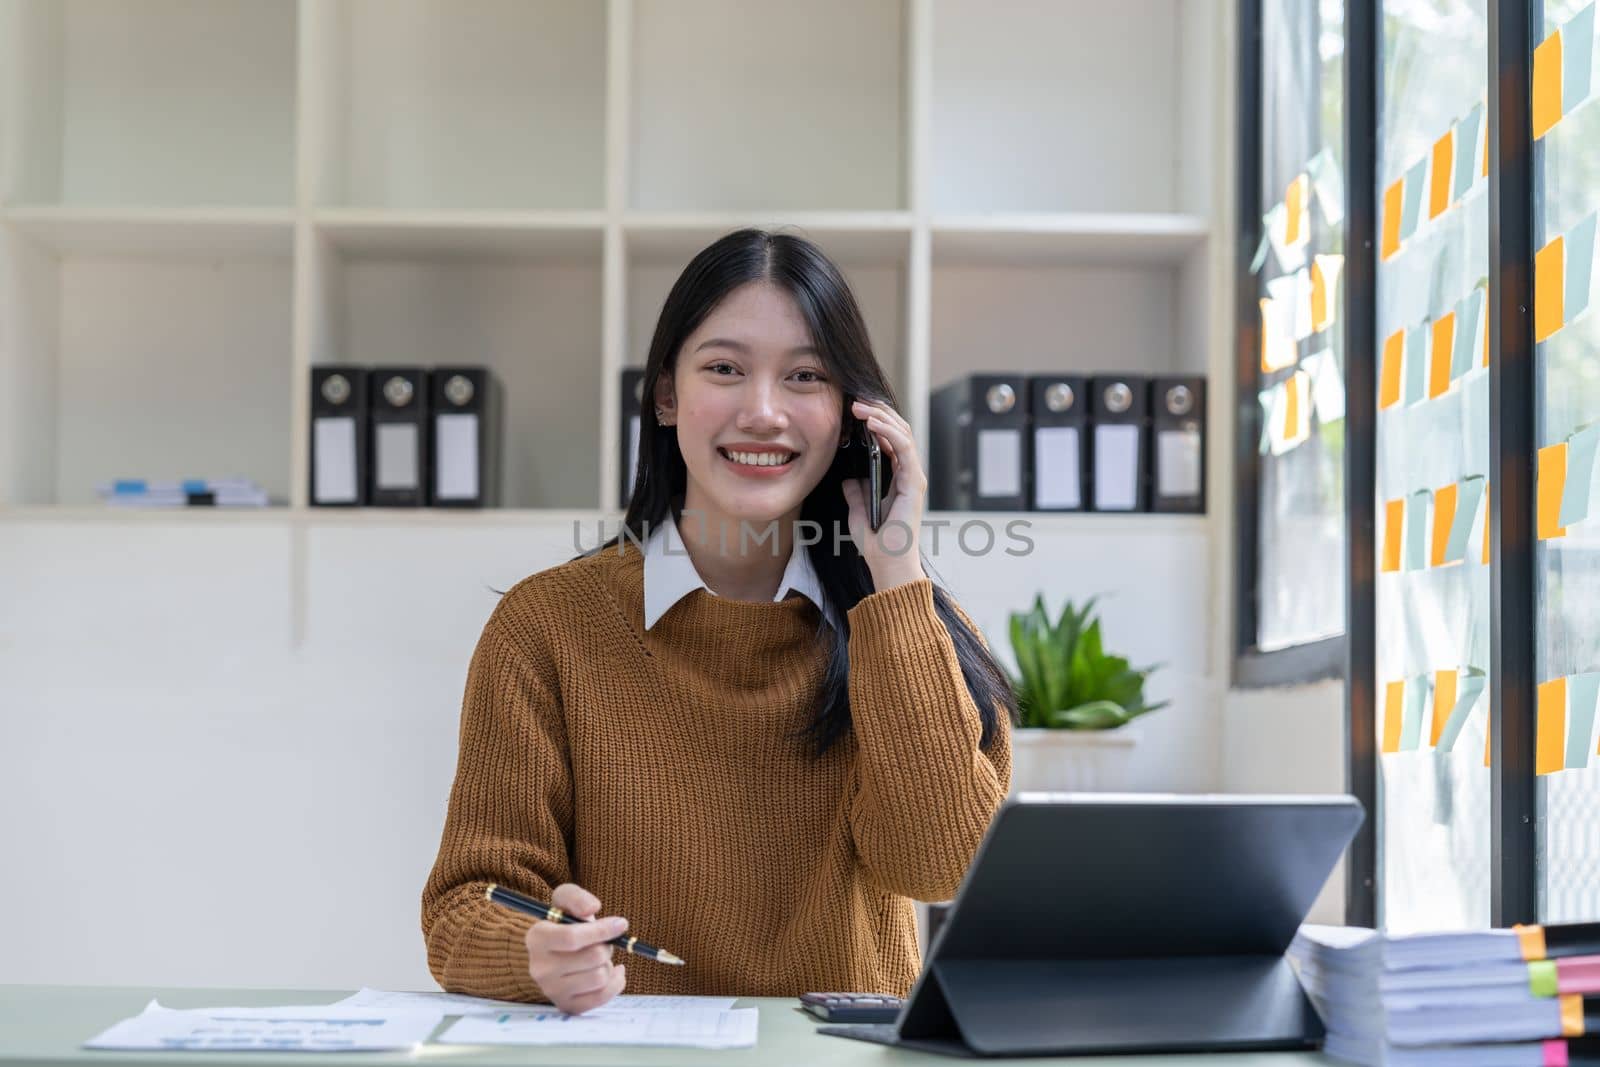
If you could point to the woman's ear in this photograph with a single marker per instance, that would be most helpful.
(666, 401)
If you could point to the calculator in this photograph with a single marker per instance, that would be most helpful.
(852, 1007)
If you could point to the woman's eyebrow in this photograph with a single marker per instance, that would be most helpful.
(744, 349)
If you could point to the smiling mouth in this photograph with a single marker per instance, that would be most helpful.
(759, 460)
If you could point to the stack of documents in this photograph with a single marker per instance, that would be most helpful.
(193, 492)
(372, 1020)
(1487, 998)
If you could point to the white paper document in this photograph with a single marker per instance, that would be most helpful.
(296, 1028)
(691, 1022)
(458, 1004)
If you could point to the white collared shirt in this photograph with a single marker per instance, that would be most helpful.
(670, 575)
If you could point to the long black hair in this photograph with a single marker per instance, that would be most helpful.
(839, 334)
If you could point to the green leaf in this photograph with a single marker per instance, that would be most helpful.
(1065, 679)
(1096, 715)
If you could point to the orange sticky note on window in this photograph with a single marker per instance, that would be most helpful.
(1550, 753)
(1444, 336)
(1394, 515)
(1294, 206)
(1547, 85)
(1444, 701)
(1488, 324)
(1444, 515)
(1392, 205)
(1549, 285)
(1393, 713)
(1439, 186)
(1487, 544)
(1394, 347)
(1488, 734)
(1552, 476)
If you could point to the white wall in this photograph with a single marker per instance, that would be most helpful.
(1288, 740)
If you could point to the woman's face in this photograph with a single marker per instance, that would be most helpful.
(758, 418)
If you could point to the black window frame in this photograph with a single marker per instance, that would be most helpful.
(1254, 668)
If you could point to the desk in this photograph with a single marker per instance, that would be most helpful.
(46, 1025)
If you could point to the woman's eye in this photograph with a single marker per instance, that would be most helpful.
(809, 376)
(718, 368)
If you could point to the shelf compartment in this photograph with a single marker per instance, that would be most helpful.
(181, 102)
(752, 106)
(1048, 107)
(534, 319)
(461, 104)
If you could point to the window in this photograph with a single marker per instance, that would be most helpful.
(1291, 518)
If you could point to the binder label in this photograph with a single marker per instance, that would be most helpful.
(336, 460)
(456, 457)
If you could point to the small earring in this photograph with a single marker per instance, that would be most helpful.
(845, 443)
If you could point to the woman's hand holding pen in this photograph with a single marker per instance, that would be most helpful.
(571, 961)
(892, 551)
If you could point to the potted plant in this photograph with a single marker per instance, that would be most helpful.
(1074, 701)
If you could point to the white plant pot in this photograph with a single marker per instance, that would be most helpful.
(1071, 761)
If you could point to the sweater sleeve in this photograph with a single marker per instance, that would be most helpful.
(924, 792)
(508, 822)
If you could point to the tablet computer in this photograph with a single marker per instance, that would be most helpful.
(1104, 922)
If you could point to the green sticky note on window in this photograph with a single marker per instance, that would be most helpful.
(1580, 265)
(1582, 689)
(1467, 312)
(1577, 53)
(1580, 472)
(1416, 531)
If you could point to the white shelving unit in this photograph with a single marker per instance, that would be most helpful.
(200, 199)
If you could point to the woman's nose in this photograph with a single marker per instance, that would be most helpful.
(762, 409)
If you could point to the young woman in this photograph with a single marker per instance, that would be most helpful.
(751, 724)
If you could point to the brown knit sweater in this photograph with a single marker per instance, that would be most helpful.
(660, 770)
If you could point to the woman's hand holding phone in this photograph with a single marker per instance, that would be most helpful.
(891, 552)
(571, 961)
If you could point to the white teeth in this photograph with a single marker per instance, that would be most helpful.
(760, 459)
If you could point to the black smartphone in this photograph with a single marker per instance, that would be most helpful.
(874, 479)
(866, 462)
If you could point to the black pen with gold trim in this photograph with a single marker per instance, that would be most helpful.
(508, 898)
